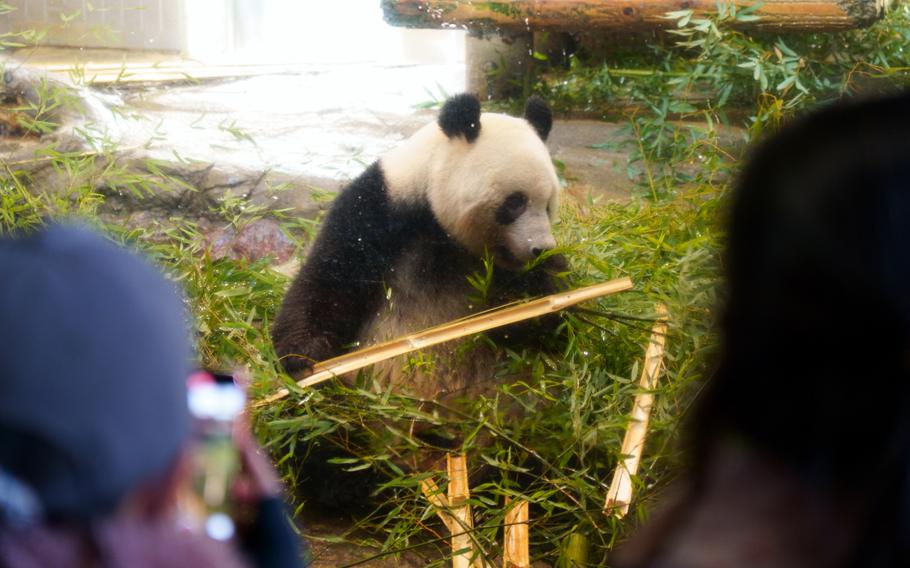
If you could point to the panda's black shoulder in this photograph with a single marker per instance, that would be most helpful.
(364, 202)
(371, 183)
(366, 210)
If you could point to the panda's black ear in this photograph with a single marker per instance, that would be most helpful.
(537, 112)
(460, 116)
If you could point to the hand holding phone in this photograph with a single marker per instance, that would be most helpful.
(215, 402)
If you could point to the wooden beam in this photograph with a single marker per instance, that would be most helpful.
(619, 495)
(449, 331)
(598, 15)
(516, 546)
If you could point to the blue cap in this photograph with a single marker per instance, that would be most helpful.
(94, 355)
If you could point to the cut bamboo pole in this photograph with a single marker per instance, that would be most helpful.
(619, 495)
(599, 15)
(516, 550)
(463, 553)
(449, 331)
(439, 501)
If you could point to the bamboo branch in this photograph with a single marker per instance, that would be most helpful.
(449, 331)
(619, 495)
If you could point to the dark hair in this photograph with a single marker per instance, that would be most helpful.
(815, 365)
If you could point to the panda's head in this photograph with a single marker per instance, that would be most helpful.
(488, 178)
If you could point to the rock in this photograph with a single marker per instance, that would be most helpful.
(262, 238)
(210, 190)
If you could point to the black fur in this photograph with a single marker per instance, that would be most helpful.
(511, 208)
(538, 113)
(460, 116)
(341, 283)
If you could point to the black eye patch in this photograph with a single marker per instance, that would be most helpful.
(512, 208)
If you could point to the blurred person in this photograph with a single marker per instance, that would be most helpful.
(94, 425)
(801, 442)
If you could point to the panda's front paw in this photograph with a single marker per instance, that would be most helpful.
(303, 356)
(555, 264)
(545, 278)
(295, 365)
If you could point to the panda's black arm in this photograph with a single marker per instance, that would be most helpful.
(341, 284)
(540, 281)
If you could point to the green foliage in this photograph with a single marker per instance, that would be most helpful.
(434, 99)
(482, 282)
(232, 301)
(551, 435)
(714, 73)
(711, 65)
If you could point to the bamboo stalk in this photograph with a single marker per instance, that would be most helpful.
(619, 495)
(463, 553)
(449, 331)
(516, 549)
(574, 552)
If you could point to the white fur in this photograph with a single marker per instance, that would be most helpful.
(464, 182)
(528, 232)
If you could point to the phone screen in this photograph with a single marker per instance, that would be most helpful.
(215, 401)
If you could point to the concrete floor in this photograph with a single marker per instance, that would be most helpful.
(318, 125)
(328, 124)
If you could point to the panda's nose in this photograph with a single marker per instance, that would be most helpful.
(539, 250)
(542, 244)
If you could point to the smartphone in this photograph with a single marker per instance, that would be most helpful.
(215, 401)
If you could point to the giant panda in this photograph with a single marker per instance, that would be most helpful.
(398, 244)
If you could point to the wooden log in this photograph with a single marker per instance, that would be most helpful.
(596, 15)
(453, 330)
(619, 495)
(516, 546)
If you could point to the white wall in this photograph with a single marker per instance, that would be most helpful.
(130, 24)
(280, 31)
(323, 31)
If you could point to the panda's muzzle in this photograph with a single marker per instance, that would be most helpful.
(543, 246)
(529, 236)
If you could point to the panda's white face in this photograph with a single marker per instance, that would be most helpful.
(498, 193)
